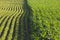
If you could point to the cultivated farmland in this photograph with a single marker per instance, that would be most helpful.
(29, 19)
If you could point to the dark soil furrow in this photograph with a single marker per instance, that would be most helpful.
(15, 27)
(10, 27)
(5, 26)
(1, 17)
(20, 28)
(3, 20)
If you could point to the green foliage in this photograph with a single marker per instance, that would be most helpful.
(45, 19)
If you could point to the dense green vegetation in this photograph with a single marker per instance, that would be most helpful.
(29, 19)
(45, 19)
